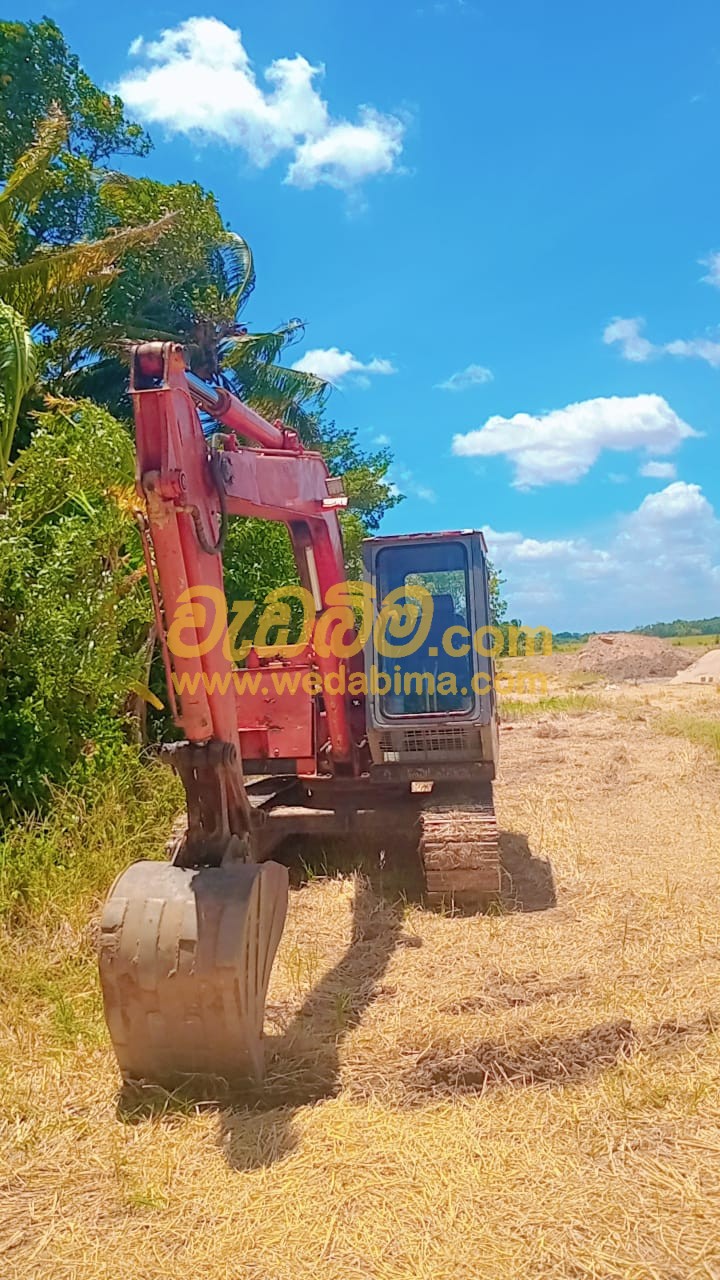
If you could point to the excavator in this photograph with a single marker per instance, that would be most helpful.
(379, 717)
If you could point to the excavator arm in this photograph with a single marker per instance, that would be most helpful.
(190, 487)
(186, 949)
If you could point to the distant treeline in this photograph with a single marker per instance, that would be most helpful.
(682, 627)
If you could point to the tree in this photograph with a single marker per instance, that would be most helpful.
(57, 290)
(38, 70)
(90, 260)
(192, 289)
(498, 606)
(73, 602)
(365, 477)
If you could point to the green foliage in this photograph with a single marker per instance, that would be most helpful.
(188, 279)
(73, 606)
(53, 866)
(17, 373)
(37, 71)
(59, 290)
(91, 260)
(192, 288)
(498, 606)
(257, 557)
(682, 627)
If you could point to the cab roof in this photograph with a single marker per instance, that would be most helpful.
(428, 537)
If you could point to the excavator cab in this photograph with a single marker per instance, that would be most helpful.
(431, 710)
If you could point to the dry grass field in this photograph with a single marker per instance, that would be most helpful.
(529, 1094)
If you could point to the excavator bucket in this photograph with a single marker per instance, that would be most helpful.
(185, 959)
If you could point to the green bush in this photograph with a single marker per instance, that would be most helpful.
(74, 607)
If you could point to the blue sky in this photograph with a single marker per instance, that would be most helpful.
(527, 192)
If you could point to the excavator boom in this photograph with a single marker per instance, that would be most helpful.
(186, 949)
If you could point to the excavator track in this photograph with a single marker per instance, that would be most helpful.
(460, 855)
(185, 956)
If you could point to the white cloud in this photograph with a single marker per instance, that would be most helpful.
(335, 366)
(660, 561)
(348, 153)
(197, 79)
(473, 376)
(381, 439)
(678, 502)
(627, 333)
(404, 482)
(562, 445)
(712, 262)
(695, 348)
(658, 470)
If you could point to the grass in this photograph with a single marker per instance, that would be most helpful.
(705, 642)
(54, 872)
(52, 867)
(582, 679)
(702, 731)
(530, 1094)
(568, 646)
(568, 704)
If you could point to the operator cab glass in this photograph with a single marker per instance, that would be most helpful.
(435, 624)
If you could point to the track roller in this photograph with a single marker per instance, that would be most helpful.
(185, 958)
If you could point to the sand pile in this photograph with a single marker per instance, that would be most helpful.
(705, 671)
(621, 656)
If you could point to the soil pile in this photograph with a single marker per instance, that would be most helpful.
(620, 656)
(705, 671)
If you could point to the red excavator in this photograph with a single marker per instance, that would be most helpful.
(380, 716)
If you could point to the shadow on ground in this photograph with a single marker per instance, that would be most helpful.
(533, 1063)
(256, 1128)
(528, 883)
(303, 1063)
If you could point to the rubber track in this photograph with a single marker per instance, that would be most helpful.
(459, 852)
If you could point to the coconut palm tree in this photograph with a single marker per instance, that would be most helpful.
(84, 314)
(54, 287)
(248, 362)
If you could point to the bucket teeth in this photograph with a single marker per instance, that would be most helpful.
(185, 958)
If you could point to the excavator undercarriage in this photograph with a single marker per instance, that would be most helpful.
(389, 742)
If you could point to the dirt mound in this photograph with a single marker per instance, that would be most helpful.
(620, 656)
(705, 671)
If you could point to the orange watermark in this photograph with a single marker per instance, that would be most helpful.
(399, 628)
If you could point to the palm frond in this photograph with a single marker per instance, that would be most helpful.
(27, 286)
(245, 350)
(26, 182)
(276, 392)
(281, 386)
(237, 268)
(6, 244)
(18, 360)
